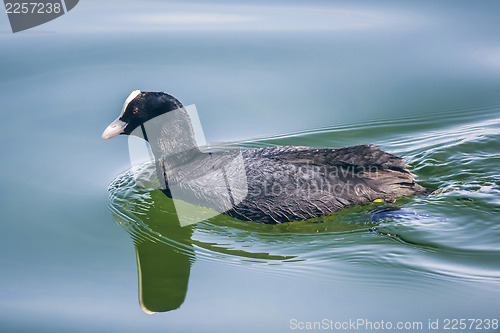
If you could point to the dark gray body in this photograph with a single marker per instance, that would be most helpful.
(295, 183)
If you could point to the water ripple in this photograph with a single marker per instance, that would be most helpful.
(451, 234)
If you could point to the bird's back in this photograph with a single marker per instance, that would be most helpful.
(285, 184)
(295, 183)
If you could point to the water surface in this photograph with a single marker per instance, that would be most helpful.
(419, 80)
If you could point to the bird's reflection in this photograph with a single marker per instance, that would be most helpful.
(165, 251)
(163, 248)
(163, 272)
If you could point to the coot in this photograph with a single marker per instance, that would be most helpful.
(279, 184)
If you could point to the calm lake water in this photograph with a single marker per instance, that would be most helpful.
(86, 250)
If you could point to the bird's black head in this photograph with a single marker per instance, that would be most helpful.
(139, 107)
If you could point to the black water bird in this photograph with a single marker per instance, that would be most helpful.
(268, 185)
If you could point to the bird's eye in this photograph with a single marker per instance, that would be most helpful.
(135, 111)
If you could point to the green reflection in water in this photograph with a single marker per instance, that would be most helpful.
(436, 240)
(163, 274)
(165, 250)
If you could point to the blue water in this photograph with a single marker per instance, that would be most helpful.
(420, 80)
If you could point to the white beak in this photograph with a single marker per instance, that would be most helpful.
(115, 128)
